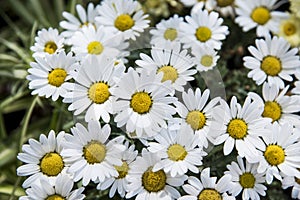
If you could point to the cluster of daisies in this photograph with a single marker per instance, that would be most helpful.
(154, 103)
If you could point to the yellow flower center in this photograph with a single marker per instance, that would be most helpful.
(206, 60)
(272, 110)
(274, 154)
(122, 170)
(57, 77)
(99, 93)
(271, 65)
(154, 181)
(209, 194)
(124, 22)
(260, 15)
(247, 180)
(55, 197)
(289, 28)
(224, 3)
(50, 47)
(196, 119)
(237, 128)
(94, 152)
(176, 152)
(141, 102)
(203, 34)
(52, 164)
(170, 34)
(95, 48)
(170, 73)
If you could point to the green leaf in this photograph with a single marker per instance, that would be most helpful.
(8, 189)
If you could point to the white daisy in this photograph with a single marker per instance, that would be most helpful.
(292, 181)
(120, 183)
(197, 112)
(239, 126)
(205, 57)
(277, 105)
(246, 178)
(146, 184)
(280, 152)
(73, 24)
(259, 14)
(143, 103)
(91, 155)
(290, 30)
(167, 30)
(126, 17)
(203, 28)
(89, 42)
(42, 159)
(174, 64)
(49, 76)
(272, 60)
(178, 151)
(62, 190)
(207, 187)
(92, 91)
(47, 42)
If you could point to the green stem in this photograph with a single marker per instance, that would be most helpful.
(12, 196)
(3, 133)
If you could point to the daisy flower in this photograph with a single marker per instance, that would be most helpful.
(62, 190)
(71, 24)
(203, 27)
(92, 91)
(174, 64)
(125, 17)
(290, 30)
(42, 159)
(207, 187)
(120, 182)
(167, 30)
(49, 76)
(47, 42)
(205, 57)
(292, 181)
(240, 127)
(147, 184)
(272, 60)
(91, 155)
(89, 42)
(178, 151)
(197, 112)
(259, 14)
(246, 178)
(143, 103)
(280, 152)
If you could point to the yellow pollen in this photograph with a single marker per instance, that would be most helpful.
(55, 197)
(99, 93)
(124, 22)
(57, 77)
(176, 152)
(95, 48)
(170, 34)
(261, 15)
(122, 170)
(206, 60)
(274, 154)
(209, 194)
(203, 34)
(272, 110)
(170, 73)
(141, 102)
(94, 152)
(154, 181)
(196, 119)
(51, 164)
(271, 65)
(289, 28)
(237, 128)
(50, 47)
(247, 180)
(224, 3)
